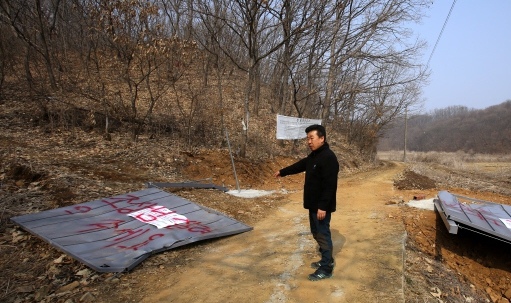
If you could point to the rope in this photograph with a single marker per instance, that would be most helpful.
(440, 35)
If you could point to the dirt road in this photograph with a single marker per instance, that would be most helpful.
(271, 263)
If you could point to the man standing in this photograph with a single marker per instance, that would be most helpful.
(319, 195)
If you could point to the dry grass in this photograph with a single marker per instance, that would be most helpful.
(480, 172)
(457, 160)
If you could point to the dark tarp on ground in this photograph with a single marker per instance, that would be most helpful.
(101, 234)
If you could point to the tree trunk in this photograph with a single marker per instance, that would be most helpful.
(45, 48)
(248, 90)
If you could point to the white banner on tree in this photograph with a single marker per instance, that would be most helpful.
(289, 128)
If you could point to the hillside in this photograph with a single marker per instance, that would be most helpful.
(452, 129)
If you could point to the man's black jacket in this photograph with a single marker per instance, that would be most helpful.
(321, 169)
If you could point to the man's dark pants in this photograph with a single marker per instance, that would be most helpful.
(320, 230)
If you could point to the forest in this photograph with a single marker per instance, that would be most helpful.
(198, 69)
(453, 129)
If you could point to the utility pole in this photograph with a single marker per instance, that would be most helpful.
(406, 130)
(232, 160)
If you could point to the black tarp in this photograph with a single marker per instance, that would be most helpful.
(101, 234)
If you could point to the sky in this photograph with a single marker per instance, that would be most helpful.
(471, 65)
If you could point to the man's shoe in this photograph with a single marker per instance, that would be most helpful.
(319, 275)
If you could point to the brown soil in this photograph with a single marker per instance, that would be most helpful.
(385, 251)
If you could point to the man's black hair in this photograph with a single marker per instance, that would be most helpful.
(320, 129)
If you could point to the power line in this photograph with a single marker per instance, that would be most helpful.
(440, 35)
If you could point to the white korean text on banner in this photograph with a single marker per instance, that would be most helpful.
(289, 128)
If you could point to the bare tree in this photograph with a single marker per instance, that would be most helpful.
(351, 42)
(179, 17)
(301, 29)
(189, 101)
(8, 49)
(343, 61)
(255, 26)
(132, 63)
(35, 24)
(212, 33)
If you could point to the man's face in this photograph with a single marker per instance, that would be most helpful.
(313, 141)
